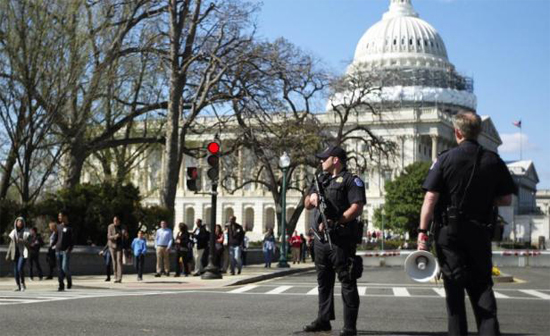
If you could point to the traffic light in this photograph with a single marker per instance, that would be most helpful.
(193, 182)
(213, 160)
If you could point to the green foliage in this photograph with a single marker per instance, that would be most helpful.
(91, 208)
(9, 210)
(404, 197)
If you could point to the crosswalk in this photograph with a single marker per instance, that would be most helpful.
(11, 298)
(33, 297)
(386, 291)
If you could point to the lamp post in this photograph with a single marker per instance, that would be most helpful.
(284, 163)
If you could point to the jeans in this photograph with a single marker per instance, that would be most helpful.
(268, 256)
(19, 270)
(63, 261)
(138, 263)
(235, 256)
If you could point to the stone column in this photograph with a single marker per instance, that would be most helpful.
(434, 147)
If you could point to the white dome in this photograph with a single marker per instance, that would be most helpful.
(401, 39)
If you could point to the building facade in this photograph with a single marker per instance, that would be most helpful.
(421, 92)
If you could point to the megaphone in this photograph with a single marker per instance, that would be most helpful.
(421, 266)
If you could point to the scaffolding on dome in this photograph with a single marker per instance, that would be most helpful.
(438, 78)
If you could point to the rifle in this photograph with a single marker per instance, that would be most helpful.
(322, 205)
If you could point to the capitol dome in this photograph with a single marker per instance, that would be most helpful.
(406, 58)
(402, 39)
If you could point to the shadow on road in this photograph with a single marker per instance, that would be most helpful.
(391, 333)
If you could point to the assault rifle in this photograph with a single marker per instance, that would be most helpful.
(322, 205)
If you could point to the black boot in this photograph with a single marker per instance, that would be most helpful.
(317, 325)
(348, 332)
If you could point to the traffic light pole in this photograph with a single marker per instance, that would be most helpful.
(212, 271)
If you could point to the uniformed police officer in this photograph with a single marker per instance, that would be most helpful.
(345, 196)
(463, 187)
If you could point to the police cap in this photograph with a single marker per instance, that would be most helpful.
(333, 151)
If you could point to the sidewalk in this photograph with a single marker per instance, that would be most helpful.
(249, 274)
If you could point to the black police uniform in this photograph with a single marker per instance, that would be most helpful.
(464, 250)
(340, 192)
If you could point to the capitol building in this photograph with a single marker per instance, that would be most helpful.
(421, 92)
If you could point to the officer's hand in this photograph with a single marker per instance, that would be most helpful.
(321, 227)
(314, 199)
(422, 242)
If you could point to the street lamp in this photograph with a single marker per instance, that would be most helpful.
(284, 163)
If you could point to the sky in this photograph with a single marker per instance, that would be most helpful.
(504, 45)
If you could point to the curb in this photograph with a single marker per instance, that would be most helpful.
(269, 276)
(503, 277)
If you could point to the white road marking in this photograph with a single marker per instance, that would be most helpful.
(362, 290)
(400, 291)
(279, 290)
(243, 289)
(439, 291)
(536, 293)
(314, 291)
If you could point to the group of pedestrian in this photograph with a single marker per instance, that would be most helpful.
(25, 244)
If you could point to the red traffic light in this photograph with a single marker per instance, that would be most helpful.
(213, 147)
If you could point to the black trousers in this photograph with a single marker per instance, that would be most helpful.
(51, 259)
(34, 260)
(466, 263)
(184, 261)
(328, 263)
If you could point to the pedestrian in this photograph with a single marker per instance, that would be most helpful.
(310, 242)
(50, 257)
(236, 237)
(107, 260)
(63, 248)
(35, 244)
(182, 250)
(295, 246)
(163, 243)
(244, 247)
(18, 251)
(335, 242)
(116, 235)
(462, 187)
(268, 247)
(200, 237)
(218, 247)
(303, 248)
(225, 263)
(139, 247)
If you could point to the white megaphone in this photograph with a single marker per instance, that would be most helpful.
(421, 266)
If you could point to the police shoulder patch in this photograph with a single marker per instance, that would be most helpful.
(358, 182)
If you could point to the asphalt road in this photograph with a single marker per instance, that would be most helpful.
(391, 304)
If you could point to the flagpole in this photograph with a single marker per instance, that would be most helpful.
(520, 143)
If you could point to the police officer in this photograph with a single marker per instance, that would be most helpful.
(345, 196)
(462, 188)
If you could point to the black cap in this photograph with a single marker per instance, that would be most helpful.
(333, 151)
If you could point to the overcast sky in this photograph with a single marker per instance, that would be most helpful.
(503, 44)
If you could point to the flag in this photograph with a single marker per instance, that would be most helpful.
(517, 123)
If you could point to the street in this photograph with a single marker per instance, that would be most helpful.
(391, 304)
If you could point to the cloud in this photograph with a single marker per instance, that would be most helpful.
(511, 143)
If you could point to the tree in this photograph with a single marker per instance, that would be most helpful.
(403, 200)
(25, 54)
(277, 87)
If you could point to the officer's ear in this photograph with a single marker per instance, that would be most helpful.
(458, 134)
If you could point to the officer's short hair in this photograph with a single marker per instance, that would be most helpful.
(468, 123)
